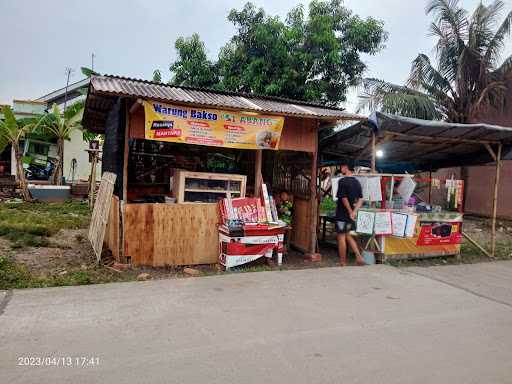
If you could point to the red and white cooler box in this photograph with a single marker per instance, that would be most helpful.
(257, 243)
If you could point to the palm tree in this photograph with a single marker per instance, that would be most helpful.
(12, 132)
(61, 127)
(468, 77)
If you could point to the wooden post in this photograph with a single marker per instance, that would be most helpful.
(314, 201)
(257, 172)
(374, 153)
(495, 201)
(92, 179)
(124, 193)
(430, 187)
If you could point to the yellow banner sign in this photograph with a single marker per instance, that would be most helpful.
(190, 125)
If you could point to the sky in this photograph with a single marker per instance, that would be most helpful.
(134, 37)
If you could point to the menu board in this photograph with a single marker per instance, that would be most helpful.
(365, 222)
(399, 224)
(370, 186)
(374, 188)
(383, 223)
(410, 229)
(406, 188)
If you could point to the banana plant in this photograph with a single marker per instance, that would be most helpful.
(61, 126)
(13, 132)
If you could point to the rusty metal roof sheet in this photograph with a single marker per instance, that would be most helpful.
(122, 86)
(417, 144)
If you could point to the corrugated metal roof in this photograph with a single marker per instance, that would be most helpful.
(422, 144)
(122, 86)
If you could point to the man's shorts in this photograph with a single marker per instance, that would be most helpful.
(345, 226)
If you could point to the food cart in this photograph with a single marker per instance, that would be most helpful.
(400, 155)
(177, 151)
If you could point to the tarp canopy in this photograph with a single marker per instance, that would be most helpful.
(409, 144)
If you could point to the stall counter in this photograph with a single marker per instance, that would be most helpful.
(437, 234)
(171, 234)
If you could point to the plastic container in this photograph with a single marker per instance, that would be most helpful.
(369, 257)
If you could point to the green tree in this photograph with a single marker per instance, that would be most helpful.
(192, 66)
(13, 132)
(88, 72)
(313, 57)
(468, 76)
(61, 126)
(157, 76)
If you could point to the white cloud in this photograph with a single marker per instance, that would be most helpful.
(133, 37)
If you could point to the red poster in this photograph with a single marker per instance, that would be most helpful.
(440, 233)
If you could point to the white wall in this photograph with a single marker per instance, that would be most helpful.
(75, 149)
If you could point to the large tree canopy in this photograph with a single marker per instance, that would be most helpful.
(192, 66)
(312, 55)
(467, 77)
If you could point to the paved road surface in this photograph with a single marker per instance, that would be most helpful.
(489, 280)
(354, 325)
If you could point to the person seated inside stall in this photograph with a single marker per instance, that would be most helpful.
(285, 207)
(325, 183)
(350, 199)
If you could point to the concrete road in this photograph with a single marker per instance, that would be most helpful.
(354, 325)
(489, 280)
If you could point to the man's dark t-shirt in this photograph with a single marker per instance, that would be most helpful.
(350, 188)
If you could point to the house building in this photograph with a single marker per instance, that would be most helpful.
(76, 159)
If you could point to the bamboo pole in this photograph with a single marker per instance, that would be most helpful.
(257, 172)
(472, 241)
(124, 192)
(314, 199)
(92, 179)
(495, 201)
(440, 140)
(374, 153)
(430, 187)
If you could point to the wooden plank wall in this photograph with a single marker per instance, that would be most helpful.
(112, 230)
(171, 234)
(300, 236)
(299, 134)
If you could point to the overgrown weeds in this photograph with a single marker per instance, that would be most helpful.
(14, 275)
(30, 224)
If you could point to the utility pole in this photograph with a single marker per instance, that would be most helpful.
(92, 61)
(69, 71)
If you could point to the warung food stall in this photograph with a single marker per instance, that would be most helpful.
(177, 151)
(409, 212)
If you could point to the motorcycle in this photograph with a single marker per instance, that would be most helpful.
(34, 172)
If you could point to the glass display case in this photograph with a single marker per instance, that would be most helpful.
(202, 187)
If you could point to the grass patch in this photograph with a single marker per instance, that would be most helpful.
(30, 224)
(15, 276)
(469, 255)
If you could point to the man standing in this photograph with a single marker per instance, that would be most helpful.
(350, 199)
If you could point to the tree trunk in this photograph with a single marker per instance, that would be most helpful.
(20, 174)
(57, 174)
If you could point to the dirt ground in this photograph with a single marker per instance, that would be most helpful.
(67, 258)
(67, 250)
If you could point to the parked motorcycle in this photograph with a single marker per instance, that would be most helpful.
(33, 172)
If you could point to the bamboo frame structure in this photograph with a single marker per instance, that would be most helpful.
(497, 158)
(495, 155)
